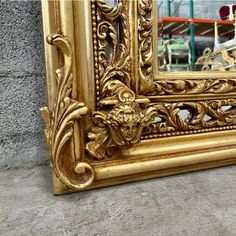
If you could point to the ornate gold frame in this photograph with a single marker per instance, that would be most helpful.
(115, 119)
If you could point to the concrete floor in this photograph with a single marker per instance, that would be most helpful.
(200, 203)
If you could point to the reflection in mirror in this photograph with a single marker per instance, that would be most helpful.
(111, 3)
(196, 35)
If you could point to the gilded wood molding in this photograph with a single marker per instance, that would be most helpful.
(109, 20)
(61, 120)
(194, 86)
(112, 117)
(112, 69)
(120, 126)
(210, 115)
(145, 44)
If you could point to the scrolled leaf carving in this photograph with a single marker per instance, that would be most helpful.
(201, 115)
(196, 86)
(114, 72)
(201, 86)
(110, 13)
(113, 44)
(122, 115)
(145, 44)
(61, 120)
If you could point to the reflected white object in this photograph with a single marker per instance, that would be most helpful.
(228, 45)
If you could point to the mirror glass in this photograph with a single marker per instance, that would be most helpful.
(196, 35)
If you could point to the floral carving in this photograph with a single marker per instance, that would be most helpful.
(114, 73)
(121, 123)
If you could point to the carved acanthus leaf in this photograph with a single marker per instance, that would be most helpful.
(123, 116)
(113, 44)
(61, 120)
(145, 44)
(194, 86)
(110, 13)
(198, 115)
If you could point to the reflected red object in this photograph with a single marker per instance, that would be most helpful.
(227, 12)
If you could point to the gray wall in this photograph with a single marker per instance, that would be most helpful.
(22, 84)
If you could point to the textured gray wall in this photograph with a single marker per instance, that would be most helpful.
(22, 84)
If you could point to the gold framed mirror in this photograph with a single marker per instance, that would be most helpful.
(113, 116)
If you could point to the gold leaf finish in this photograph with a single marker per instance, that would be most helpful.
(60, 122)
(122, 123)
(143, 123)
(145, 44)
(114, 67)
(199, 116)
(196, 86)
(120, 126)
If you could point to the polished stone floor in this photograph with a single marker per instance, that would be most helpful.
(200, 203)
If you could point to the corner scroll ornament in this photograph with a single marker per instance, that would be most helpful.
(60, 122)
(119, 127)
(121, 114)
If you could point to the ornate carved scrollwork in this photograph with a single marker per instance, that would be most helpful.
(121, 126)
(194, 86)
(200, 115)
(113, 70)
(145, 44)
(200, 86)
(61, 120)
(113, 41)
(121, 123)
(132, 103)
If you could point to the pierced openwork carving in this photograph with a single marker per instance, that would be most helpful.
(113, 67)
(115, 71)
(120, 126)
(60, 122)
(199, 115)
